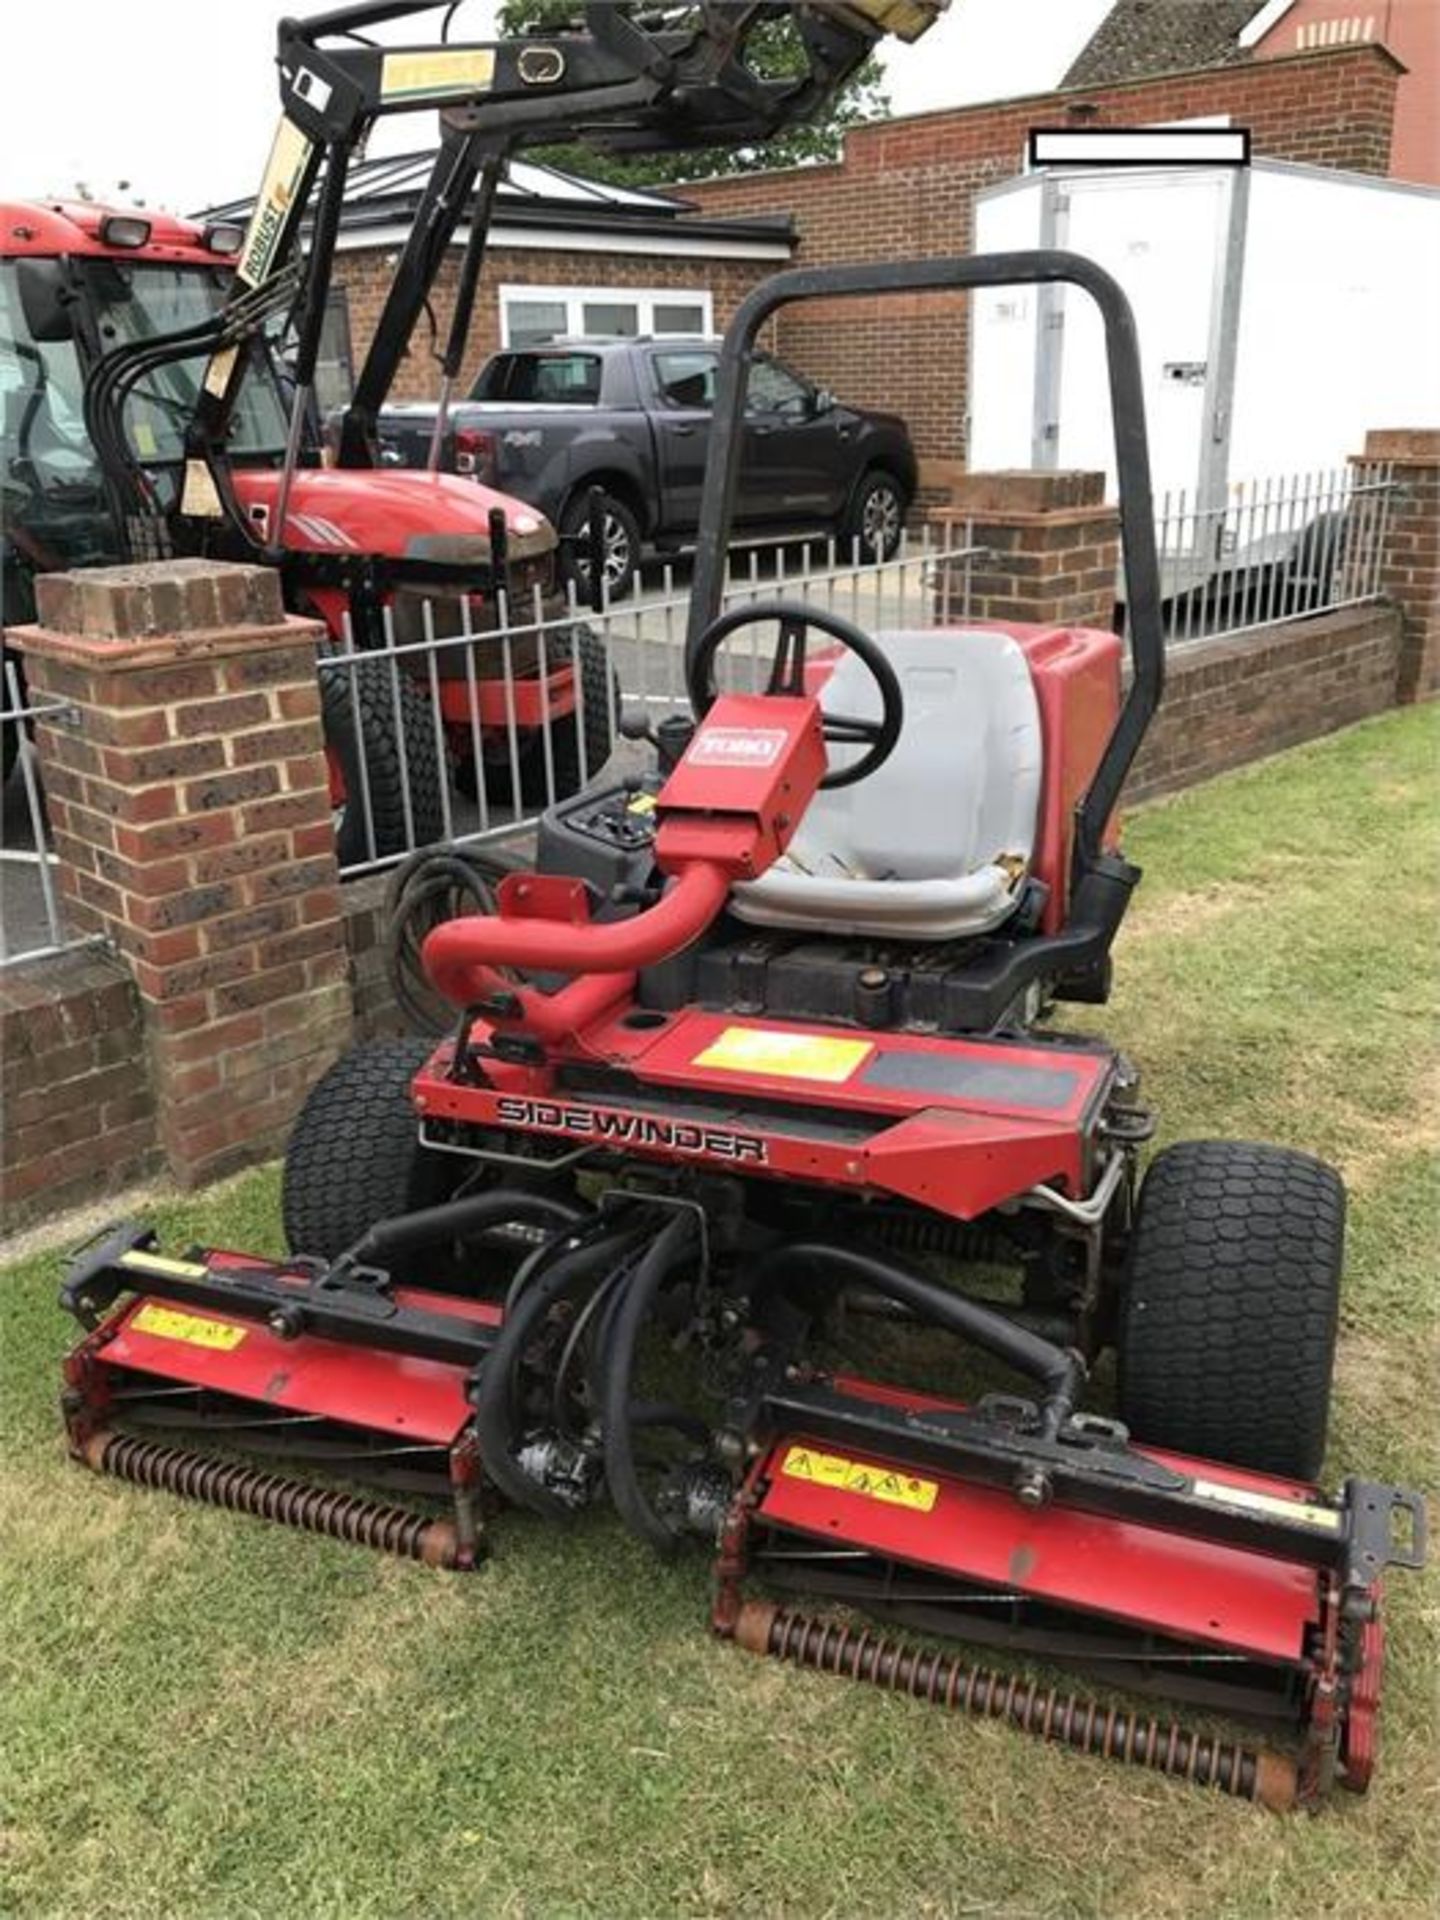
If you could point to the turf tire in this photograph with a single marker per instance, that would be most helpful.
(1227, 1328)
(376, 743)
(354, 1156)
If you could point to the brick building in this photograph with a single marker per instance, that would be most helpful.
(565, 256)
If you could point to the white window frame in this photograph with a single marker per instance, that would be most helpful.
(574, 300)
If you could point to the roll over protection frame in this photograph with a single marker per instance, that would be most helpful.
(1041, 266)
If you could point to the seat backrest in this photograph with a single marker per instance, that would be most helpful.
(962, 787)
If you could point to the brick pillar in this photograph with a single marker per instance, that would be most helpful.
(1410, 563)
(1052, 548)
(189, 806)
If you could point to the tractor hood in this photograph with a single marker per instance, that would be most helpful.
(397, 516)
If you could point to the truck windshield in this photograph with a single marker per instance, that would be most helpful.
(138, 300)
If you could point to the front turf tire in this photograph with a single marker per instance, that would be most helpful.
(354, 1156)
(1227, 1328)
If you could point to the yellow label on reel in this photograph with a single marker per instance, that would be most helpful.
(856, 1476)
(169, 1323)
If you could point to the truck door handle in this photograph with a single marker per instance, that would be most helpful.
(759, 430)
(680, 430)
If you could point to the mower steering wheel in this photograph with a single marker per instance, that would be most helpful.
(787, 676)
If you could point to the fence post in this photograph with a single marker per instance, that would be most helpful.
(1051, 548)
(189, 806)
(1409, 570)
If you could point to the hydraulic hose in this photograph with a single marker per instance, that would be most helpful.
(496, 1417)
(1059, 1370)
(432, 1226)
(617, 1413)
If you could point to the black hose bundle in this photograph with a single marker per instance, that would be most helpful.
(435, 885)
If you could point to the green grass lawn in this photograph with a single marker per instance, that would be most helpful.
(202, 1715)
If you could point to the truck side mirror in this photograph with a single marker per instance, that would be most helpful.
(45, 299)
(822, 401)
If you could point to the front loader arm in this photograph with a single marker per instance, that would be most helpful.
(618, 77)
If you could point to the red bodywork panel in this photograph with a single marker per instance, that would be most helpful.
(53, 227)
(401, 1394)
(957, 1125)
(378, 510)
(1227, 1597)
(1076, 671)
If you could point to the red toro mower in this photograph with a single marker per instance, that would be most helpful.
(759, 1056)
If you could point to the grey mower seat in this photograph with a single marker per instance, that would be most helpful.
(936, 844)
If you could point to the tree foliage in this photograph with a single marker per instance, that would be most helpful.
(774, 51)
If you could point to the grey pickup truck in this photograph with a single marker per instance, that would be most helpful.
(547, 424)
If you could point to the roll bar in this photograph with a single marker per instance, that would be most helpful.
(1132, 455)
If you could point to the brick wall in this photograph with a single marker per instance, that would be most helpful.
(1239, 697)
(366, 276)
(79, 1112)
(906, 188)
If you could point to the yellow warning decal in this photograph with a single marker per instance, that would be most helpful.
(788, 1056)
(1267, 1503)
(642, 803)
(170, 1324)
(429, 75)
(157, 1263)
(855, 1476)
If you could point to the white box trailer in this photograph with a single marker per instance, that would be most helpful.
(1282, 311)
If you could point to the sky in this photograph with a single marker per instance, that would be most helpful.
(177, 97)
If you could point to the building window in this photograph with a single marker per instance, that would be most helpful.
(532, 316)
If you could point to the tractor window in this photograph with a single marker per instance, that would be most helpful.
(42, 430)
(140, 301)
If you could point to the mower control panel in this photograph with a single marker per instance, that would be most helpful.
(606, 839)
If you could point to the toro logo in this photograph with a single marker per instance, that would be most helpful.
(737, 747)
(632, 1129)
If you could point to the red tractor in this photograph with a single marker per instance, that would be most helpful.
(157, 376)
(762, 1064)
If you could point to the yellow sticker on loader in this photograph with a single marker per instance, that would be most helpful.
(857, 1476)
(169, 1323)
(431, 74)
(786, 1056)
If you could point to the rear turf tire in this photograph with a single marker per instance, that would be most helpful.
(1227, 1328)
(366, 723)
(354, 1157)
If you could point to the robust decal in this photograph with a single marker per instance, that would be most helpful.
(284, 171)
(437, 74)
(610, 1126)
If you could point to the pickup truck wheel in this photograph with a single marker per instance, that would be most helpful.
(876, 518)
(622, 544)
(365, 724)
(595, 719)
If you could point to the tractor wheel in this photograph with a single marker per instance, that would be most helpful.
(875, 522)
(598, 696)
(1227, 1326)
(369, 710)
(354, 1156)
